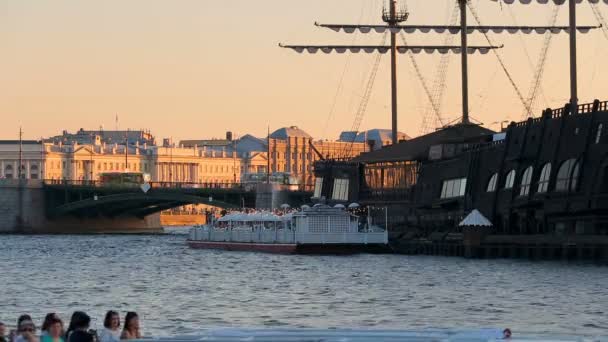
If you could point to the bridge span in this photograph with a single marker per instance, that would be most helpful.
(51, 206)
(94, 199)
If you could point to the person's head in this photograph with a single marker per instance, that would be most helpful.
(26, 326)
(55, 327)
(506, 333)
(47, 320)
(79, 321)
(2, 329)
(112, 320)
(23, 318)
(131, 321)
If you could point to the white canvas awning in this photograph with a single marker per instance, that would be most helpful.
(475, 219)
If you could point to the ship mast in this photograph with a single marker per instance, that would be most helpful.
(573, 64)
(394, 17)
(465, 61)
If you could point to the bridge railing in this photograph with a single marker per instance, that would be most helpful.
(166, 185)
(154, 185)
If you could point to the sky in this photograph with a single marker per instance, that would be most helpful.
(192, 69)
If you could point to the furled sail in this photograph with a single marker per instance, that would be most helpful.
(385, 49)
(454, 29)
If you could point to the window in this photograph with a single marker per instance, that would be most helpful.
(453, 188)
(340, 192)
(510, 179)
(526, 180)
(567, 176)
(598, 136)
(8, 171)
(318, 187)
(492, 183)
(545, 176)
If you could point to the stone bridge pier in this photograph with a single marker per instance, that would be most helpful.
(22, 210)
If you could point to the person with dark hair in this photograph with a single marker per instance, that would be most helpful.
(2, 332)
(14, 333)
(78, 331)
(47, 321)
(131, 327)
(111, 330)
(26, 331)
(506, 334)
(54, 330)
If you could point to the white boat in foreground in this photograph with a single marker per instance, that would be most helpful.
(317, 230)
(361, 335)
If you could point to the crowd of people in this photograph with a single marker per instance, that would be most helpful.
(79, 329)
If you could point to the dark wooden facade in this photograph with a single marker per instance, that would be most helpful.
(545, 179)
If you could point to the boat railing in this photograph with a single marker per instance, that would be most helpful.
(286, 236)
(585, 108)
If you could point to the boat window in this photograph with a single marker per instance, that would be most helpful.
(510, 180)
(567, 176)
(526, 180)
(492, 183)
(452, 188)
(598, 136)
(545, 176)
(318, 187)
(340, 192)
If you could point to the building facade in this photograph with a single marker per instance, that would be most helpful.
(86, 155)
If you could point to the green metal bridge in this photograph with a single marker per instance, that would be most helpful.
(86, 199)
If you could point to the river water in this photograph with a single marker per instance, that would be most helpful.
(177, 290)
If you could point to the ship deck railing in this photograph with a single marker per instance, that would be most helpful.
(287, 236)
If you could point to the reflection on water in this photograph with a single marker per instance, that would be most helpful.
(177, 290)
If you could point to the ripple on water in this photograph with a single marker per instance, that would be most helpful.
(178, 291)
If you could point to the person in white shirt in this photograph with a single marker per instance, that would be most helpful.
(111, 330)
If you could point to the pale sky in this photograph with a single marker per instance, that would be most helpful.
(195, 68)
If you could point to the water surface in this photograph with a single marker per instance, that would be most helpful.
(177, 290)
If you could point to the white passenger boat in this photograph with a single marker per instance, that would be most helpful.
(317, 230)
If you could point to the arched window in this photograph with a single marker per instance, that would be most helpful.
(526, 180)
(510, 179)
(492, 183)
(545, 176)
(598, 136)
(567, 176)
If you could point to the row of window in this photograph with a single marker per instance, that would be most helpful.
(566, 179)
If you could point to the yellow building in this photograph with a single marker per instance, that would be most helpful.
(86, 155)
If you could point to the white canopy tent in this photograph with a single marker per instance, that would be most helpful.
(475, 219)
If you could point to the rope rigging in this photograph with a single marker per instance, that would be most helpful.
(520, 35)
(501, 62)
(540, 68)
(367, 93)
(341, 82)
(600, 18)
(418, 72)
(439, 83)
